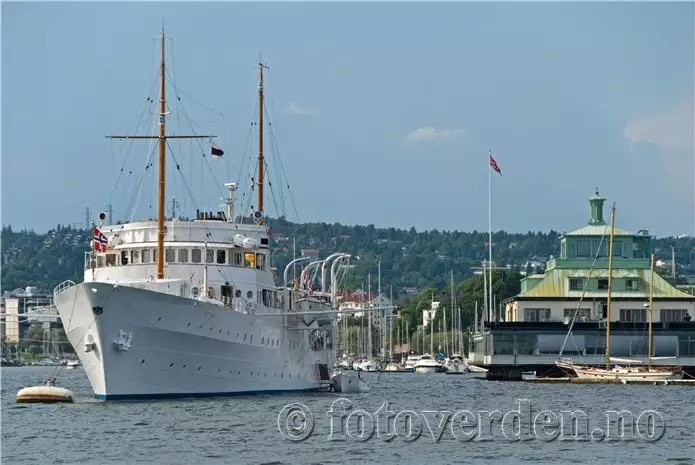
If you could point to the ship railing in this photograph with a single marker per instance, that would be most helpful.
(63, 286)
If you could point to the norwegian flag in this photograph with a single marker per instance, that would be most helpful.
(99, 241)
(494, 166)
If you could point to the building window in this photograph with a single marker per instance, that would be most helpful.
(632, 284)
(576, 284)
(145, 255)
(503, 344)
(250, 260)
(617, 249)
(600, 248)
(537, 314)
(195, 256)
(183, 255)
(671, 314)
(633, 315)
(686, 346)
(584, 314)
(583, 249)
(209, 256)
(526, 344)
(563, 250)
(603, 284)
(221, 258)
(169, 255)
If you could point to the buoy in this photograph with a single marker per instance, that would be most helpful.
(43, 394)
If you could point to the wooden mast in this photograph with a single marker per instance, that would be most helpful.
(162, 137)
(608, 301)
(651, 299)
(259, 216)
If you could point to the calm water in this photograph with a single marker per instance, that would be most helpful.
(245, 429)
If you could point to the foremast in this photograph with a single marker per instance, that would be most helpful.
(261, 164)
(162, 137)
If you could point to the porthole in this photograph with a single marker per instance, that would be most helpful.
(142, 361)
(249, 295)
(171, 364)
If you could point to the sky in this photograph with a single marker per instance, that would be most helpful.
(381, 113)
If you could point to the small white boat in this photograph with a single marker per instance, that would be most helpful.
(393, 367)
(72, 364)
(48, 393)
(427, 364)
(410, 363)
(456, 366)
(348, 382)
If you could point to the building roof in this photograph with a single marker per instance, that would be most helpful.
(556, 281)
(595, 230)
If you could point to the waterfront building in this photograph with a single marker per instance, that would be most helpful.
(535, 322)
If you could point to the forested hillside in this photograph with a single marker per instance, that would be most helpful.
(408, 258)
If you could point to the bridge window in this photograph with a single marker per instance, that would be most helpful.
(230, 257)
(100, 261)
(209, 256)
(146, 256)
(134, 256)
(111, 259)
(183, 255)
(250, 260)
(260, 261)
(124, 257)
(195, 256)
(169, 255)
(237, 259)
(221, 258)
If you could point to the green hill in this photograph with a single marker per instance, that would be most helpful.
(408, 258)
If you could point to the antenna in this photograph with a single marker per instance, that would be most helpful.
(162, 137)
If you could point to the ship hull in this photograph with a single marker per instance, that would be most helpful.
(619, 374)
(136, 343)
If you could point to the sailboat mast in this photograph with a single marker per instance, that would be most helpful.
(162, 159)
(608, 300)
(651, 300)
(259, 219)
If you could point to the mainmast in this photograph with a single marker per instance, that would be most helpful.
(610, 284)
(259, 211)
(161, 212)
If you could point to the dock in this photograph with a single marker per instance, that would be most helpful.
(568, 380)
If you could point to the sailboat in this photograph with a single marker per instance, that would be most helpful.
(181, 308)
(618, 372)
(455, 364)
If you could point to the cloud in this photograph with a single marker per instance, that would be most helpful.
(430, 133)
(670, 130)
(298, 109)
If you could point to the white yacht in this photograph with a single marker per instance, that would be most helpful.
(427, 364)
(173, 308)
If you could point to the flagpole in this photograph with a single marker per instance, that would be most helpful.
(489, 228)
